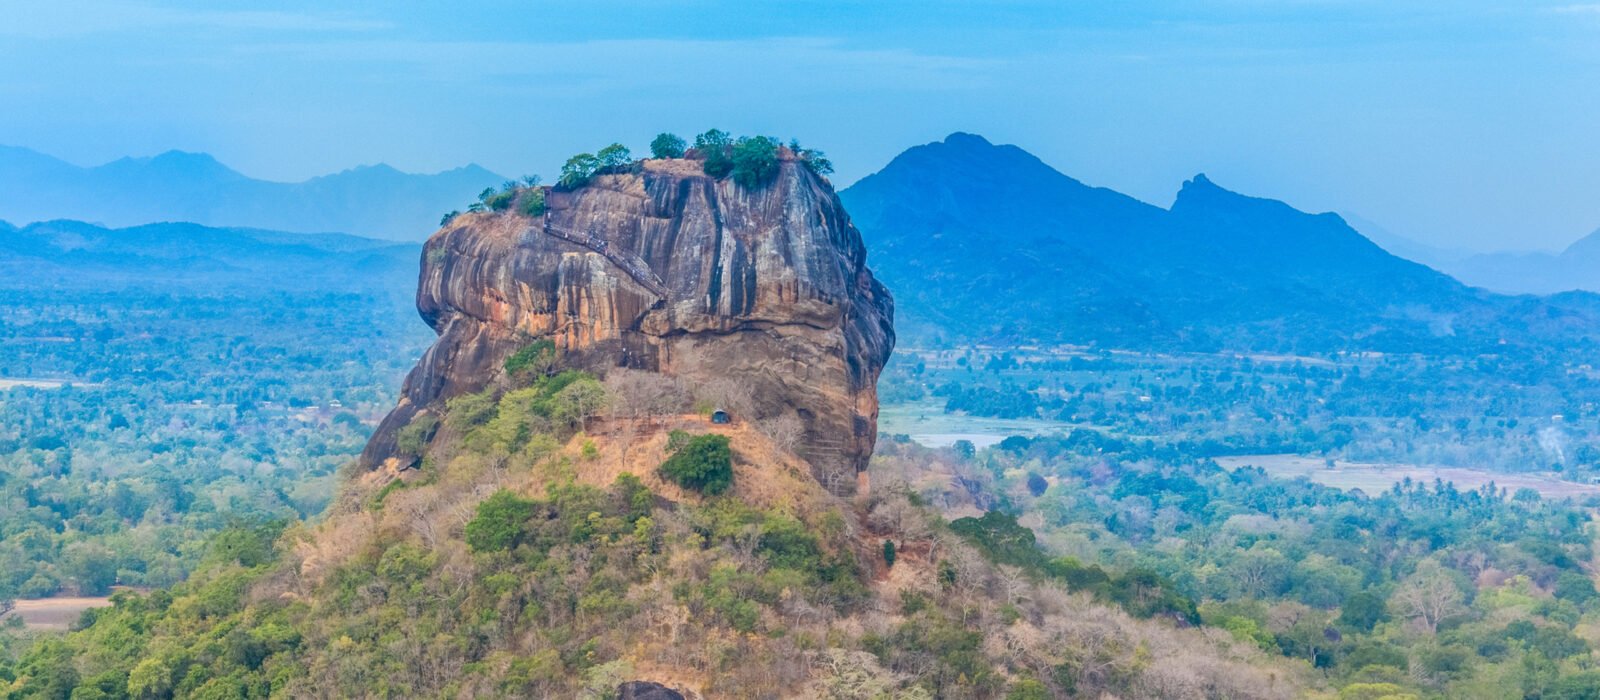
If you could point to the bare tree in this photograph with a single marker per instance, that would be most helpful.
(1427, 597)
(785, 431)
(645, 394)
(730, 395)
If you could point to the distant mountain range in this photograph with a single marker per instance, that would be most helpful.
(1578, 267)
(77, 255)
(981, 242)
(375, 201)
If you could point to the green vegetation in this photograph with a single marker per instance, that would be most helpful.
(715, 148)
(667, 145)
(537, 597)
(525, 195)
(413, 438)
(581, 168)
(614, 156)
(532, 204)
(191, 404)
(703, 463)
(500, 523)
(752, 161)
(578, 170)
(1511, 413)
(815, 160)
(1439, 592)
(755, 161)
(537, 359)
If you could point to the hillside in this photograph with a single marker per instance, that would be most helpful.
(990, 244)
(569, 512)
(376, 201)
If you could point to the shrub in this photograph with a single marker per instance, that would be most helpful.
(677, 439)
(415, 436)
(449, 217)
(538, 357)
(667, 146)
(787, 543)
(813, 159)
(501, 522)
(1037, 484)
(577, 171)
(888, 553)
(532, 203)
(704, 464)
(469, 411)
(715, 147)
(502, 200)
(755, 161)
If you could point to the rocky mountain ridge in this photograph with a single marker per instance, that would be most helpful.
(986, 243)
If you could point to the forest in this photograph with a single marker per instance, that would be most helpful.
(1522, 411)
(1419, 591)
(155, 415)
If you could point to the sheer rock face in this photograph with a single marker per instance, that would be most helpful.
(767, 287)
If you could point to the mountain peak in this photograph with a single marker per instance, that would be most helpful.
(1203, 191)
(174, 162)
(967, 140)
(185, 158)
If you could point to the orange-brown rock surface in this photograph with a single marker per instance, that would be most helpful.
(664, 269)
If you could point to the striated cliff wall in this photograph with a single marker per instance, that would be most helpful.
(665, 269)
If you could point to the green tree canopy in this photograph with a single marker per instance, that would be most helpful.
(667, 145)
(577, 171)
(704, 464)
(755, 161)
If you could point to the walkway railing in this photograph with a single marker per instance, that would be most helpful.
(626, 261)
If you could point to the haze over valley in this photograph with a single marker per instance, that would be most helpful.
(822, 406)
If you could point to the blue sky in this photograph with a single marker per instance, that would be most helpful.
(1458, 123)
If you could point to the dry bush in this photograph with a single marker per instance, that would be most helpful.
(785, 431)
(730, 395)
(637, 394)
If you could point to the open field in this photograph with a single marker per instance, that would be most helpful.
(1373, 477)
(928, 425)
(55, 613)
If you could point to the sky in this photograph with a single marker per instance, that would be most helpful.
(1461, 124)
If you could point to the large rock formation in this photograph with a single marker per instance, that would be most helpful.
(662, 268)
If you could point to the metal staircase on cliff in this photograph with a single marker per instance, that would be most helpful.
(624, 260)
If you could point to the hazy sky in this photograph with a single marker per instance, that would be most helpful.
(1455, 122)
